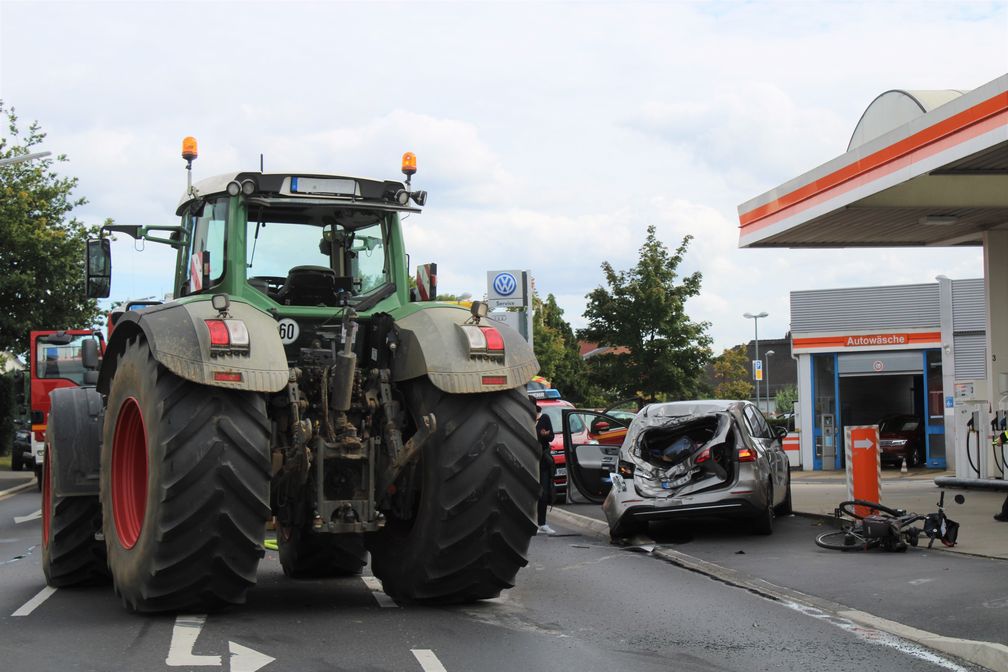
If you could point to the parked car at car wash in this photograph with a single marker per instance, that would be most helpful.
(684, 459)
(605, 432)
(901, 437)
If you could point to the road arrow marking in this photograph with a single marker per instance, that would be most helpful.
(244, 659)
(864, 443)
(31, 516)
(184, 634)
(187, 631)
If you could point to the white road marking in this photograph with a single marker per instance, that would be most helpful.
(873, 636)
(917, 582)
(30, 606)
(244, 659)
(428, 661)
(184, 634)
(31, 516)
(374, 585)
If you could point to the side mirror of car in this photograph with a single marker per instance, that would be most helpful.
(781, 432)
(599, 426)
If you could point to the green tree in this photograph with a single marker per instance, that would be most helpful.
(644, 310)
(41, 243)
(731, 374)
(556, 348)
(785, 399)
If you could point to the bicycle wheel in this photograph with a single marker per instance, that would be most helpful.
(848, 508)
(843, 540)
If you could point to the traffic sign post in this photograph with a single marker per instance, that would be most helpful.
(511, 289)
(864, 465)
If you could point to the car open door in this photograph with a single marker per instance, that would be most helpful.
(592, 442)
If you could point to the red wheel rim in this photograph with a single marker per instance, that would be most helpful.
(129, 473)
(46, 500)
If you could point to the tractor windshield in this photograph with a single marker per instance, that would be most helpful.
(307, 258)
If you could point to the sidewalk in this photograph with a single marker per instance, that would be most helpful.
(819, 492)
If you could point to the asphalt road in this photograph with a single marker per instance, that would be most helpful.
(951, 594)
(581, 604)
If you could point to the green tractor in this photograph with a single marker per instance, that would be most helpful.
(295, 377)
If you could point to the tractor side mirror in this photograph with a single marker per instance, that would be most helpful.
(99, 268)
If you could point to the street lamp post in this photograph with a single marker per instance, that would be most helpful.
(756, 318)
(766, 372)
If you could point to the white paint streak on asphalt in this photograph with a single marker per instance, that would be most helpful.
(873, 636)
(428, 661)
(30, 606)
(31, 516)
(374, 585)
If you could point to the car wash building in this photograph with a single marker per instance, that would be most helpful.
(922, 168)
(877, 355)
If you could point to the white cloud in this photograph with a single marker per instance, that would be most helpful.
(549, 135)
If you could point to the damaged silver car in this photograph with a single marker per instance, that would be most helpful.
(685, 459)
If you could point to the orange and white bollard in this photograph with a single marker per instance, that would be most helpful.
(864, 465)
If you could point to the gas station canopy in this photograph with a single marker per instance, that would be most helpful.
(924, 168)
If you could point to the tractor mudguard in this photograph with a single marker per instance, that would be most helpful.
(180, 341)
(74, 438)
(432, 345)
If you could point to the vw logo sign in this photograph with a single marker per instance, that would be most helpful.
(505, 284)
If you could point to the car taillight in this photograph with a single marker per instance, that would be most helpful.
(625, 469)
(703, 456)
(483, 341)
(228, 336)
(746, 455)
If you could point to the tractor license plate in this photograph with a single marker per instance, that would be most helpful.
(561, 471)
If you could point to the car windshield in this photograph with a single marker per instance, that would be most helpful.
(555, 415)
(899, 425)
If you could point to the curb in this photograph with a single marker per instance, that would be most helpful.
(986, 654)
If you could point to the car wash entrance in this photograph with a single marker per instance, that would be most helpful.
(900, 391)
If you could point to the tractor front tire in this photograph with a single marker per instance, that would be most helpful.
(71, 556)
(184, 487)
(475, 515)
(306, 554)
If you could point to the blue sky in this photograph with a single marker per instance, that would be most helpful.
(548, 135)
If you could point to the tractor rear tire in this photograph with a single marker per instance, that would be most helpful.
(71, 556)
(475, 515)
(306, 554)
(184, 487)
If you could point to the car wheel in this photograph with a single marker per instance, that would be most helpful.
(785, 508)
(17, 462)
(763, 522)
(625, 529)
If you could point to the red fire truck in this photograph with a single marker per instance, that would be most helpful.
(55, 362)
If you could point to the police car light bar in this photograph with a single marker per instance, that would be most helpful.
(544, 394)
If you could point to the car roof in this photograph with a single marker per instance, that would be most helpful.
(693, 407)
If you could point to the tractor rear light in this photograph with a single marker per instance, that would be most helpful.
(228, 376)
(494, 341)
(238, 333)
(228, 336)
(746, 455)
(495, 380)
(475, 338)
(220, 336)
